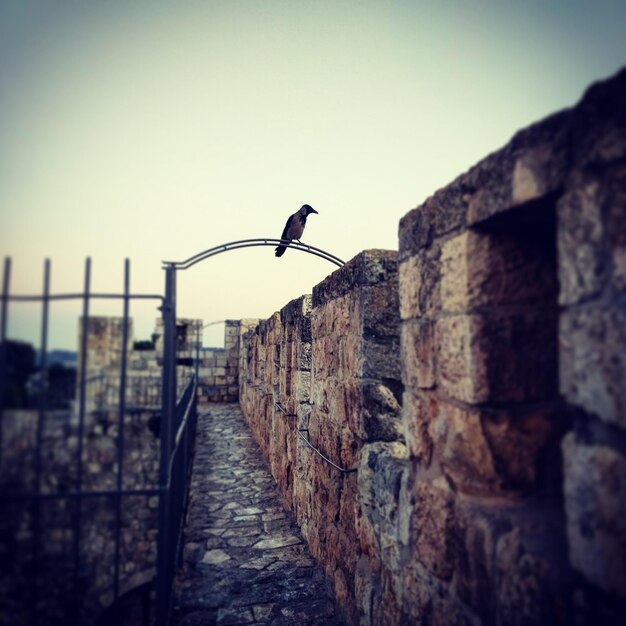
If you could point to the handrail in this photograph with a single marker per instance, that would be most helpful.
(299, 431)
(183, 425)
(76, 296)
(251, 243)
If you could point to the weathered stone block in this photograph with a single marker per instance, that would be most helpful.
(593, 361)
(381, 473)
(462, 364)
(592, 235)
(370, 267)
(494, 452)
(497, 358)
(377, 416)
(417, 354)
(595, 504)
(442, 213)
(380, 316)
(377, 358)
(497, 268)
(410, 282)
(420, 284)
(434, 529)
(582, 259)
(418, 410)
(537, 172)
(525, 585)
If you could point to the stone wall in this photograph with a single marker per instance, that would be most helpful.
(217, 367)
(482, 404)
(332, 363)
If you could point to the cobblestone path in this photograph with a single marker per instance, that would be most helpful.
(244, 560)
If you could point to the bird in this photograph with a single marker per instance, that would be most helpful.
(295, 227)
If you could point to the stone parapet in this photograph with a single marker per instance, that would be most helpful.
(475, 381)
(513, 318)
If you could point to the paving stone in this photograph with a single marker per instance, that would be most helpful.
(255, 568)
(215, 557)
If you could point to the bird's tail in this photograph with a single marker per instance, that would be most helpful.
(280, 250)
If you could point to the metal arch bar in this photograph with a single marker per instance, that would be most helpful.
(251, 243)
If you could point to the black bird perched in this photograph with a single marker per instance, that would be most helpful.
(295, 226)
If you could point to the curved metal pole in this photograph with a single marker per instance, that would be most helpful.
(251, 243)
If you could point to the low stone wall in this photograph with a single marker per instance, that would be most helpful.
(482, 403)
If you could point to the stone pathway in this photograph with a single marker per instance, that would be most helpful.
(244, 560)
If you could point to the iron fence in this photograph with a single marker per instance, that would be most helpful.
(66, 479)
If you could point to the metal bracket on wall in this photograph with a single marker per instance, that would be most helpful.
(299, 432)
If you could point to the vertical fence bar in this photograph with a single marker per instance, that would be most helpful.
(4, 317)
(81, 432)
(120, 431)
(42, 404)
(167, 433)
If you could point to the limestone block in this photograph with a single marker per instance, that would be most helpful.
(532, 175)
(417, 354)
(497, 357)
(595, 504)
(370, 267)
(333, 317)
(593, 361)
(440, 214)
(381, 472)
(418, 409)
(380, 316)
(376, 413)
(497, 268)
(410, 281)
(592, 235)
(420, 284)
(582, 260)
(302, 386)
(615, 228)
(434, 529)
(524, 590)
(474, 577)
(529, 168)
(462, 366)
(377, 358)
(486, 452)
(304, 357)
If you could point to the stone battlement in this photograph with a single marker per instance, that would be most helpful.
(474, 381)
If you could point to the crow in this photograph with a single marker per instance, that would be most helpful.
(294, 227)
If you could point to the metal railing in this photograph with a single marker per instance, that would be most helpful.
(176, 462)
(29, 497)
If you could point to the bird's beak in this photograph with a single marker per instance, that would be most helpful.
(312, 210)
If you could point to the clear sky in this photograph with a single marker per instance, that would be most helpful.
(154, 130)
